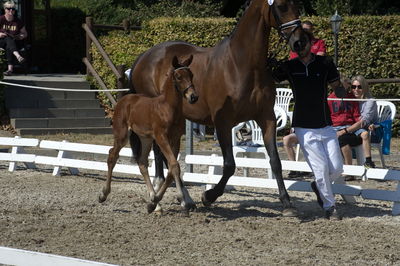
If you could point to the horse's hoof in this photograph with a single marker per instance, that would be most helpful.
(290, 212)
(158, 209)
(205, 198)
(151, 207)
(185, 212)
(102, 198)
(191, 207)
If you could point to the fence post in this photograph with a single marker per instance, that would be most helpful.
(89, 23)
(127, 25)
(121, 82)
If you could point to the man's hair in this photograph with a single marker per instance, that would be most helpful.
(9, 4)
(309, 35)
(307, 22)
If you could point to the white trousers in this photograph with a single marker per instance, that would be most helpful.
(321, 150)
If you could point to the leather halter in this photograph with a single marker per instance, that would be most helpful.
(183, 92)
(283, 26)
(294, 24)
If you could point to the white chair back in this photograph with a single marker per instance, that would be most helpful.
(283, 98)
(386, 110)
(256, 132)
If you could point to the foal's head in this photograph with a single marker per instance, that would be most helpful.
(183, 79)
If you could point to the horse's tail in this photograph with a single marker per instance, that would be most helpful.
(131, 86)
(136, 145)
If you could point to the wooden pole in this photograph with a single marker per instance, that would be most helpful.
(89, 24)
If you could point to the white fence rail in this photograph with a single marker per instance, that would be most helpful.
(213, 162)
(20, 257)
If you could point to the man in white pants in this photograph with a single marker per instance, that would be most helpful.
(309, 76)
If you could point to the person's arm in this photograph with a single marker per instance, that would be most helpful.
(338, 88)
(279, 70)
(22, 34)
(370, 112)
(321, 48)
(350, 129)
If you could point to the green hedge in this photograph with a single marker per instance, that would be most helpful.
(368, 45)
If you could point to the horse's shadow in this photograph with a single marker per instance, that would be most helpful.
(307, 211)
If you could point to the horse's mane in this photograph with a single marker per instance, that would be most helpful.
(244, 7)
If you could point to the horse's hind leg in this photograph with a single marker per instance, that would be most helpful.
(159, 165)
(120, 139)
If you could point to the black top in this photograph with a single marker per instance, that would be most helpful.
(309, 83)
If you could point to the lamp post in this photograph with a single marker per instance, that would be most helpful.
(336, 20)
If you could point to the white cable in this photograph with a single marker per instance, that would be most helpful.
(360, 100)
(55, 89)
(60, 89)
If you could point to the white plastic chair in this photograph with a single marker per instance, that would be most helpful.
(386, 111)
(256, 144)
(283, 98)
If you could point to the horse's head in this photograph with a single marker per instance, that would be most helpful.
(183, 79)
(285, 18)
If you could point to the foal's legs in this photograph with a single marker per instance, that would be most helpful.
(173, 172)
(186, 202)
(120, 139)
(143, 163)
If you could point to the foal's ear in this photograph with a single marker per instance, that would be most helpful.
(175, 62)
(188, 61)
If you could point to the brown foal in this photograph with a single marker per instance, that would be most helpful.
(158, 119)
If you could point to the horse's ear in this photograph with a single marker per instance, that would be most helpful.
(175, 62)
(188, 61)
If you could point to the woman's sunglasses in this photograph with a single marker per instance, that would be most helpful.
(353, 87)
(10, 8)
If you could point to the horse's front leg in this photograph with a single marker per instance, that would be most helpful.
(269, 130)
(225, 142)
(143, 163)
(174, 172)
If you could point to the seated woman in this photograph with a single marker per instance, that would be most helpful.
(369, 115)
(11, 29)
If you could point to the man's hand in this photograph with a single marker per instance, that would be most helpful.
(3, 35)
(338, 88)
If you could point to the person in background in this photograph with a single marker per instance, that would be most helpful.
(346, 121)
(12, 29)
(369, 115)
(309, 76)
(318, 46)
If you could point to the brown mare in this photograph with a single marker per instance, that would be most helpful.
(233, 82)
(158, 119)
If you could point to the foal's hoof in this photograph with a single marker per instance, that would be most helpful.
(290, 212)
(191, 207)
(151, 207)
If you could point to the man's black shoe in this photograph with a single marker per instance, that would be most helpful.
(332, 214)
(315, 189)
